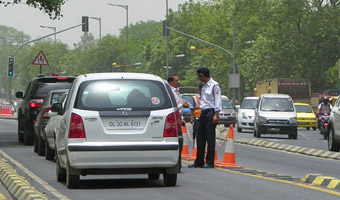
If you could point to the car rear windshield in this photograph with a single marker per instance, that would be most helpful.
(226, 104)
(303, 109)
(249, 104)
(106, 95)
(277, 104)
(44, 86)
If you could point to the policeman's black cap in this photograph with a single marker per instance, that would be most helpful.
(203, 70)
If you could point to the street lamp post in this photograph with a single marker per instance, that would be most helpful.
(55, 39)
(99, 19)
(126, 7)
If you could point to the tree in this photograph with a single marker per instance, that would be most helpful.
(52, 8)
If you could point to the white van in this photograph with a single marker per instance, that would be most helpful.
(275, 114)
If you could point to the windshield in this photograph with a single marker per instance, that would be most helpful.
(226, 104)
(249, 104)
(109, 95)
(303, 109)
(277, 104)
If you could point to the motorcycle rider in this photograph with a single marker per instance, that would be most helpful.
(324, 107)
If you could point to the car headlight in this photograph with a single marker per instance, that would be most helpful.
(292, 120)
(263, 119)
(244, 116)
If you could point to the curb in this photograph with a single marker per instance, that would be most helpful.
(318, 179)
(17, 186)
(288, 148)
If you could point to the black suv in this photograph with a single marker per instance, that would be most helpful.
(33, 99)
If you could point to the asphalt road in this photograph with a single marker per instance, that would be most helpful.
(192, 183)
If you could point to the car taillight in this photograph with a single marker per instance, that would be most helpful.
(77, 129)
(46, 116)
(172, 125)
(325, 124)
(61, 78)
(36, 103)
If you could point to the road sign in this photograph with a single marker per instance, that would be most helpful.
(40, 59)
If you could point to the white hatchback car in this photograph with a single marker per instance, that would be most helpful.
(118, 123)
(246, 113)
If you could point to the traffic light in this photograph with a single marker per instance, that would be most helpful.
(10, 66)
(85, 23)
(165, 30)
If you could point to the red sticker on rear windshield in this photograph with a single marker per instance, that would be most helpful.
(155, 100)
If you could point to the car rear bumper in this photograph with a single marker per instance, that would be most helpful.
(104, 156)
(277, 129)
(245, 124)
(304, 123)
(226, 120)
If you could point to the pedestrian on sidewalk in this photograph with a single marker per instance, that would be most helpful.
(211, 105)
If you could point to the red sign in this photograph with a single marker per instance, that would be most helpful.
(40, 59)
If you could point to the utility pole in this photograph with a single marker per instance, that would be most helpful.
(167, 40)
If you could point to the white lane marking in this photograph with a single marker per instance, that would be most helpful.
(303, 135)
(43, 183)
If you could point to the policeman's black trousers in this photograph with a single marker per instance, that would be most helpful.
(206, 135)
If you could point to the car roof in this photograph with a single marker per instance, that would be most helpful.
(115, 75)
(276, 95)
(251, 98)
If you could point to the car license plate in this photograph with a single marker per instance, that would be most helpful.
(125, 124)
(275, 129)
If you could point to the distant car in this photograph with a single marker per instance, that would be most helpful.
(32, 100)
(43, 117)
(118, 123)
(275, 114)
(187, 98)
(305, 116)
(246, 113)
(334, 128)
(227, 114)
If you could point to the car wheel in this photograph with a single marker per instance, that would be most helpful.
(332, 145)
(170, 179)
(41, 146)
(325, 135)
(308, 128)
(258, 134)
(49, 153)
(314, 128)
(239, 130)
(28, 139)
(72, 181)
(20, 134)
(294, 136)
(36, 142)
(254, 133)
(61, 172)
(153, 177)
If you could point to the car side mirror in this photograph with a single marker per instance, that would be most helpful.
(19, 94)
(58, 108)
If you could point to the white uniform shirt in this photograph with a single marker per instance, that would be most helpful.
(178, 98)
(211, 96)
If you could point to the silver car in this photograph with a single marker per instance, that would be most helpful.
(334, 128)
(50, 130)
(118, 123)
(246, 113)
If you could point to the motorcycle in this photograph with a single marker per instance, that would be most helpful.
(324, 119)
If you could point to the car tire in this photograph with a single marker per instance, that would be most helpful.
(258, 134)
(325, 136)
(308, 128)
(153, 177)
(41, 146)
(332, 145)
(20, 134)
(72, 181)
(314, 128)
(294, 136)
(36, 143)
(239, 130)
(170, 180)
(28, 139)
(254, 133)
(60, 172)
(49, 153)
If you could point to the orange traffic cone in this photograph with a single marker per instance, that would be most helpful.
(194, 152)
(229, 153)
(216, 158)
(185, 150)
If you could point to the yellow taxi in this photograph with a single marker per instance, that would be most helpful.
(305, 116)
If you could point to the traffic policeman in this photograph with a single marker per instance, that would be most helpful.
(211, 105)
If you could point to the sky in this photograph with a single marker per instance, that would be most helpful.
(28, 19)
